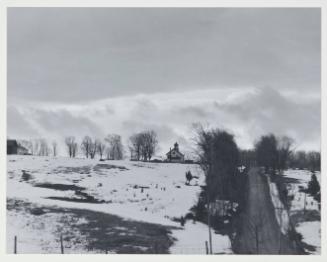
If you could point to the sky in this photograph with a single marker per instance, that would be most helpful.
(96, 71)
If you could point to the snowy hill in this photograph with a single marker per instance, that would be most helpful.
(147, 192)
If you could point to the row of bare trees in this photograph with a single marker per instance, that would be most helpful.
(305, 160)
(72, 146)
(142, 146)
(111, 147)
(40, 147)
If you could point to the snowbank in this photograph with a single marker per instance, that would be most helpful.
(280, 210)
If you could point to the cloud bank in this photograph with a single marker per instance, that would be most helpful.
(245, 113)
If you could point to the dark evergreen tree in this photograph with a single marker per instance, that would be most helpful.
(313, 186)
(218, 157)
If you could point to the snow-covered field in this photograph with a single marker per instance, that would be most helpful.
(301, 200)
(147, 192)
(310, 230)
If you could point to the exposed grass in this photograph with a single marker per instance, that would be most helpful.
(26, 176)
(103, 232)
(107, 232)
(98, 167)
(68, 170)
(90, 199)
(83, 197)
(305, 216)
(61, 187)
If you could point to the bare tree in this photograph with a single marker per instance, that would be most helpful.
(44, 149)
(35, 145)
(71, 146)
(284, 148)
(313, 159)
(150, 143)
(101, 147)
(93, 148)
(143, 145)
(115, 149)
(86, 146)
(135, 146)
(74, 149)
(54, 148)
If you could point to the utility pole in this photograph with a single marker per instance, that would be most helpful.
(208, 198)
(208, 208)
(61, 245)
(209, 228)
(15, 245)
(280, 213)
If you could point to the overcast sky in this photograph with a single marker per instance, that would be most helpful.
(78, 71)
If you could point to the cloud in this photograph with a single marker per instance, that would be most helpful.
(267, 110)
(247, 114)
(19, 125)
(65, 123)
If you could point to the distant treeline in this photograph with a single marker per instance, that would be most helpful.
(142, 146)
(269, 151)
(277, 153)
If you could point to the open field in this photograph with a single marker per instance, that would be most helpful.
(103, 207)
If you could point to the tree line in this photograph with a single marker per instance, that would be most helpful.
(111, 147)
(270, 151)
(278, 153)
(40, 147)
(142, 146)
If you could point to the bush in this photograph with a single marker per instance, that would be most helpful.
(189, 177)
(313, 186)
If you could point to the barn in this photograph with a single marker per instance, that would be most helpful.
(174, 155)
(13, 148)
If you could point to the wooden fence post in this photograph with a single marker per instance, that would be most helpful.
(61, 245)
(15, 245)
(207, 249)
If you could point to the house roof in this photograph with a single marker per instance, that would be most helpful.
(22, 148)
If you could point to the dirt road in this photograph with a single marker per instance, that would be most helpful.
(260, 232)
